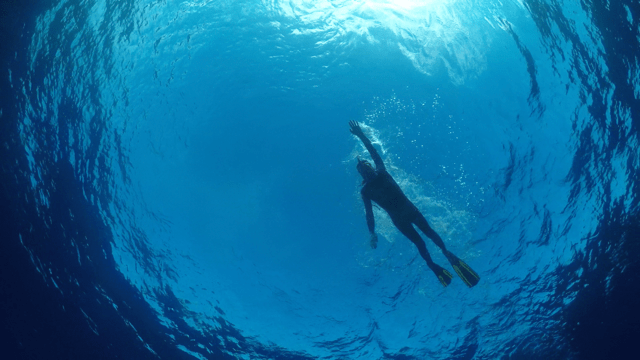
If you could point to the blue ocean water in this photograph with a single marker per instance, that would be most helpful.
(179, 178)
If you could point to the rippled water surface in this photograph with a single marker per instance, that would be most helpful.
(181, 177)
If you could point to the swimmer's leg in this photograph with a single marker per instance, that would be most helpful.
(423, 225)
(407, 230)
(463, 270)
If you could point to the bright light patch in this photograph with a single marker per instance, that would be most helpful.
(402, 4)
(429, 33)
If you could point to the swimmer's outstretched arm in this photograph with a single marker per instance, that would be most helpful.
(370, 221)
(357, 131)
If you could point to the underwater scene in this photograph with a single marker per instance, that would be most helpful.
(331, 179)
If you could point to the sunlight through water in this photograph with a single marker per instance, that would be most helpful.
(210, 140)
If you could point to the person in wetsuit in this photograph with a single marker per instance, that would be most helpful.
(379, 187)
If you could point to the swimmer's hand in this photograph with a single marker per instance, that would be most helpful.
(374, 240)
(355, 129)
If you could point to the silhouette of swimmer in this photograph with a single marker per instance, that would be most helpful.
(379, 186)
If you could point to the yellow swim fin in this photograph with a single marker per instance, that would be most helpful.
(443, 275)
(463, 270)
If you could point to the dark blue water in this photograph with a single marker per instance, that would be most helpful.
(178, 178)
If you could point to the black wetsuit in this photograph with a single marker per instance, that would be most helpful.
(380, 188)
(385, 192)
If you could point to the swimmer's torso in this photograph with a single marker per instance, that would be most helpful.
(385, 192)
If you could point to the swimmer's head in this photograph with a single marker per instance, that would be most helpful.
(365, 169)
